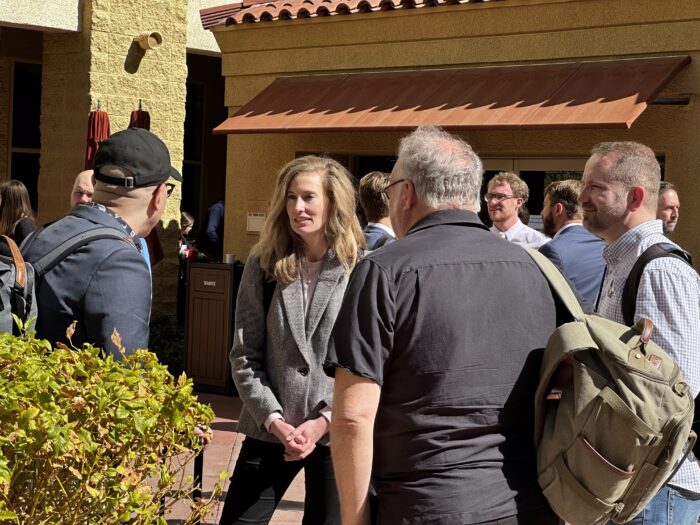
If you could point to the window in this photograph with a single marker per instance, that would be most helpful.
(25, 140)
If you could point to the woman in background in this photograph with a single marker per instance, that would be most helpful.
(290, 293)
(16, 215)
(185, 245)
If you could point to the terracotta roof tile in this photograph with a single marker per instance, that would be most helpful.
(251, 11)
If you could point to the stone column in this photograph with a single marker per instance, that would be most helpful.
(103, 63)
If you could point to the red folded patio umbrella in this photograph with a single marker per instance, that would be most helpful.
(142, 119)
(98, 130)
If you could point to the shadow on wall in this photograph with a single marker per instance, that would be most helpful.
(134, 57)
(165, 272)
(167, 335)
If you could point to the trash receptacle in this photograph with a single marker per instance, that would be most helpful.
(211, 301)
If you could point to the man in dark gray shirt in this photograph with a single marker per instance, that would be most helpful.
(436, 354)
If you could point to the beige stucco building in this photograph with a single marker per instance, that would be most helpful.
(265, 42)
(61, 59)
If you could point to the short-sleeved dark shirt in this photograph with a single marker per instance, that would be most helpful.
(450, 321)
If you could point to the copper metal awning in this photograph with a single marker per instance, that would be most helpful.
(596, 94)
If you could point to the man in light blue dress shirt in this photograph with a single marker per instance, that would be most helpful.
(619, 200)
(506, 194)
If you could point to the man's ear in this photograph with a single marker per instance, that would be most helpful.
(635, 198)
(409, 198)
(558, 209)
(159, 198)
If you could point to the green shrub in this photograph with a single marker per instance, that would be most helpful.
(86, 439)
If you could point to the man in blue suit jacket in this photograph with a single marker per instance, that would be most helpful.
(375, 203)
(105, 284)
(574, 250)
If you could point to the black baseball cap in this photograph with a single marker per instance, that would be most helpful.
(140, 152)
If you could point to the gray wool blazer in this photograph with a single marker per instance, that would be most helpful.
(277, 362)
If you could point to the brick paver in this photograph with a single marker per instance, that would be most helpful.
(221, 455)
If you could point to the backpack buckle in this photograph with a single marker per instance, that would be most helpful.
(680, 388)
(619, 506)
(19, 304)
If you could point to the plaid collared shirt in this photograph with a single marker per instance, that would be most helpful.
(668, 295)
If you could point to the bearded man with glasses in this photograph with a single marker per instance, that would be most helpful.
(506, 195)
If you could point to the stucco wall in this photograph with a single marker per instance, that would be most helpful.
(468, 35)
(200, 40)
(53, 15)
(103, 63)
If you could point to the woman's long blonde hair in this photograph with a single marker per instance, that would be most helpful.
(280, 249)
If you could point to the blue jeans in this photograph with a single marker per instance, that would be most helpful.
(670, 506)
(262, 476)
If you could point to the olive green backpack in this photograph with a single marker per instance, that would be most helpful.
(612, 415)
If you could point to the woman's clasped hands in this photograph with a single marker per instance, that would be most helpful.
(301, 441)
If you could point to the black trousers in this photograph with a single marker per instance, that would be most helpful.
(261, 477)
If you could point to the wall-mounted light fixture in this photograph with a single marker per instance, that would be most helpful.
(149, 40)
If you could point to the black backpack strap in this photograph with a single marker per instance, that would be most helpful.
(629, 302)
(600, 290)
(63, 250)
(629, 294)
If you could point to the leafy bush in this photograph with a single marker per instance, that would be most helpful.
(87, 439)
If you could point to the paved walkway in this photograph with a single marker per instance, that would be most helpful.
(221, 455)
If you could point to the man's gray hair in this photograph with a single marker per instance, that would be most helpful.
(444, 169)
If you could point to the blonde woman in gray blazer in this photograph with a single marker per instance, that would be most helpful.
(290, 293)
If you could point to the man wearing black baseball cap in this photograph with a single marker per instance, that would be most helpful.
(139, 154)
(105, 283)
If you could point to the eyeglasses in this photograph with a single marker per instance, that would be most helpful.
(170, 186)
(385, 191)
(498, 197)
